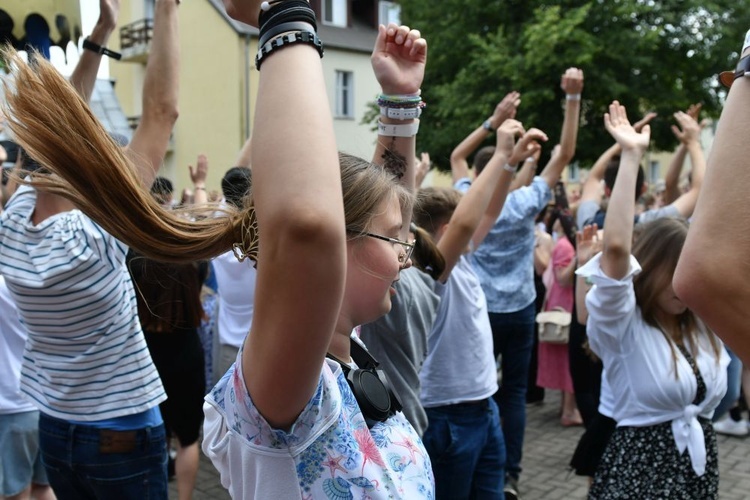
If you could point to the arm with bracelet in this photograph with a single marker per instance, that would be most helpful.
(459, 156)
(83, 77)
(398, 61)
(198, 177)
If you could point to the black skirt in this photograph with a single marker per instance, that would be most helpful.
(644, 463)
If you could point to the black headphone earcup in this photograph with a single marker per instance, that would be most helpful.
(372, 396)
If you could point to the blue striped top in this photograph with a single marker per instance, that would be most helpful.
(86, 358)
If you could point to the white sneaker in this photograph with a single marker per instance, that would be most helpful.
(731, 427)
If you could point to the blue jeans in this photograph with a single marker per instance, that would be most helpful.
(83, 462)
(513, 337)
(734, 381)
(467, 450)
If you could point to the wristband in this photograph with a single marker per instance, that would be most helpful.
(199, 188)
(400, 113)
(392, 130)
(487, 125)
(572, 97)
(285, 41)
(89, 45)
(530, 159)
(510, 168)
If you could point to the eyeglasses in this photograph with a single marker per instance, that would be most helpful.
(408, 248)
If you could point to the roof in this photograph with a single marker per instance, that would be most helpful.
(358, 38)
(106, 108)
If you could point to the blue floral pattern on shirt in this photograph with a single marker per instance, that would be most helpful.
(336, 456)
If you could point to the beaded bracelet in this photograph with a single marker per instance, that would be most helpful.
(285, 41)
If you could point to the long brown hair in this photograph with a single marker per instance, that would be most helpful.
(52, 122)
(658, 249)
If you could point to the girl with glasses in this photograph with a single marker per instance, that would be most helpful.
(284, 422)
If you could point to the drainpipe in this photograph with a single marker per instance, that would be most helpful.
(247, 86)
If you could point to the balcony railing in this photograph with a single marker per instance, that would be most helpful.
(135, 40)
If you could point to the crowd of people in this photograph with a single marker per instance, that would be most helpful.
(338, 331)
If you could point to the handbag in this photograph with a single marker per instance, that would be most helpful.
(554, 326)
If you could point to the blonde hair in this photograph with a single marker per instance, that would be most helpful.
(57, 128)
(657, 248)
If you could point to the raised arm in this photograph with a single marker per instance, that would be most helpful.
(526, 173)
(526, 147)
(304, 250)
(423, 167)
(243, 157)
(504, 110)
(588, 244)
(592, 188)
(711, 276)
(160, 89)
(572, 85)
(468, 213)
(83, 77)
(618, 238)
(198, 177)
(398, 61)
(689, 134)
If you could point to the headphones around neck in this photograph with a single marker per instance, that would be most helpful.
(375, 397)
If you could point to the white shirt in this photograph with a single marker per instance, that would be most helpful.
(460, 364)
(640, 368)
(328, 453)
(86, 358)
(12, 341)
(236, 288)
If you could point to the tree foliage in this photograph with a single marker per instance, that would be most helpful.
(651, 55)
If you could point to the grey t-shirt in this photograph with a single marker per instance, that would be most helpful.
(398, 340)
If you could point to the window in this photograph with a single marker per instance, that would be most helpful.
(389, 12)
(148, 9)
(344, 94)
(654, 172)
(335, 12)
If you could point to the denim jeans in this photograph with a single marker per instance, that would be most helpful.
(513, 337)
(467, 450)
(84, 462)
(734, 381)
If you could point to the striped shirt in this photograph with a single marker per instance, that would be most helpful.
(86, 358)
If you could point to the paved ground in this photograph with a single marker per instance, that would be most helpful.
(547, 450)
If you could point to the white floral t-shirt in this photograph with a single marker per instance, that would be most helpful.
(329, 453)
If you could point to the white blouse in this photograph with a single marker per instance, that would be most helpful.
(640, 368)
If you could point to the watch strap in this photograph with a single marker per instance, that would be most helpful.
(93, 47)
(401, 113)
(398, 130)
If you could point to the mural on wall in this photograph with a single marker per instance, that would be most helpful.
(40, 24)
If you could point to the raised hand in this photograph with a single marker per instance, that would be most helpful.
(423, 166)
(588, 243)
(506, 137)
(108, 12)
(572, 81)
(506, 108)
(398, 59)
(246, 11)
(199, 174)
(689, 129)
(617, 124)
(527, 146)
(638, 126)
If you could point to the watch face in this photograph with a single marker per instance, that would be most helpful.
(726, 78)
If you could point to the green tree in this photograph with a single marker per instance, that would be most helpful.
(651, 55)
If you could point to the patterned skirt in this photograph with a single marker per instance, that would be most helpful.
(644, 463)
